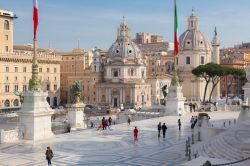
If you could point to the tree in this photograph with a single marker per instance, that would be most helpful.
(232, 75)
(201, 71)
(211, 72)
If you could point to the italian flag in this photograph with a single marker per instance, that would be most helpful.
(176, 40)
(35, 17)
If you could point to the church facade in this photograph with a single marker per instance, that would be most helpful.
(195, 50)
(124, 74)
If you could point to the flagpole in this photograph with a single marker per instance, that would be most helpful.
(175, 79)
(34, 83)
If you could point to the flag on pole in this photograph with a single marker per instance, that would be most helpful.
(176, 40)
(35, 17)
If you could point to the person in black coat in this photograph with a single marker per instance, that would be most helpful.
(159, 129)
(164, 129)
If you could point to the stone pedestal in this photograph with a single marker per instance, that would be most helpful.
(35, 116)
(76, 116)
(175, 101)
(201, 128)
(244, 113)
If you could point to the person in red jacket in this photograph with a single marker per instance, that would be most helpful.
(136, 134)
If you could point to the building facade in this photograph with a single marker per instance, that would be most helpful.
(125, 71)
(6, 31)
(16, 71)
(74, 64)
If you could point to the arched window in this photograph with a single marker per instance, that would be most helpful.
(202, 60)
(48, 100)
(16, 103)
(115, 73)
(132, 72)
(55, 101)
(6, 25)
(7, 103)
(103, 98)
(187, 60)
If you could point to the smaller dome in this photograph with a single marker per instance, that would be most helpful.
(124, 47)
(192, 38)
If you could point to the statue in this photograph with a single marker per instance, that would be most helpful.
(20, 95)
(75, 92)
(165, 90)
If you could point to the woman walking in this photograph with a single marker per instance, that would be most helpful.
(136, 134)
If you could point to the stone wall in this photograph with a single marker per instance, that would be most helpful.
(10, 136)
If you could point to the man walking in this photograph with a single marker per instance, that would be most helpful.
(49, 155)
(164, 129)
(159, 129)
(179, 124)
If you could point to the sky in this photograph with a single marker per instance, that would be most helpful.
(62, 23)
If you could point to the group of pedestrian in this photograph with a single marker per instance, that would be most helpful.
(105, 123)
(163, 128)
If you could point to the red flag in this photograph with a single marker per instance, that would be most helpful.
(176, 41)
(35, 17)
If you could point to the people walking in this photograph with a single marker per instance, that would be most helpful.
(179, 124)
(107, 124)
(49, 155)
(159, 129)
(129, 120)
(164, 129)
(103, 123)
(136, 134)
(110, 121)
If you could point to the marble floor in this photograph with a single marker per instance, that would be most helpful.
(115, 147)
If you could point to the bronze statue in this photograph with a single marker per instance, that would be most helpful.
(75, 92)
(164, 90)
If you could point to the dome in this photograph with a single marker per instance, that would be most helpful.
(192, 38)
(124, 47)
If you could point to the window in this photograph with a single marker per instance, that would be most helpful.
(55, 87)
(16, 78)
(48, 87)
(7, 88)
(24, 78)
(7, 69)
(40, 70)
(7, 78)
(47, 70)
(6, 25)
(16, 69)
(6, 49)
(187, 60)
(202, 60)
(16, 88)
(55, 78)
(115, 73)
(6, 37)
(16, 103)
(54, 70)
(24, 69)
(7, 103)
(24, 88)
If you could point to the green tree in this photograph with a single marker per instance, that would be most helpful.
(232, 75)
(211, 72)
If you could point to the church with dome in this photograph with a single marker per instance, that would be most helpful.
(195, 50)
(124, 74)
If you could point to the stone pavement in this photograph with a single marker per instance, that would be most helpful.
(114, 147)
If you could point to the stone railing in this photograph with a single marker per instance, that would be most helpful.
(10, 135)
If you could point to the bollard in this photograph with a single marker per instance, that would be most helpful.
(195, 155)
(234, 121)
(192, 138)
(199, 136)
(224, 124)
(186, 148)
(189, 154)
(229, 122)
